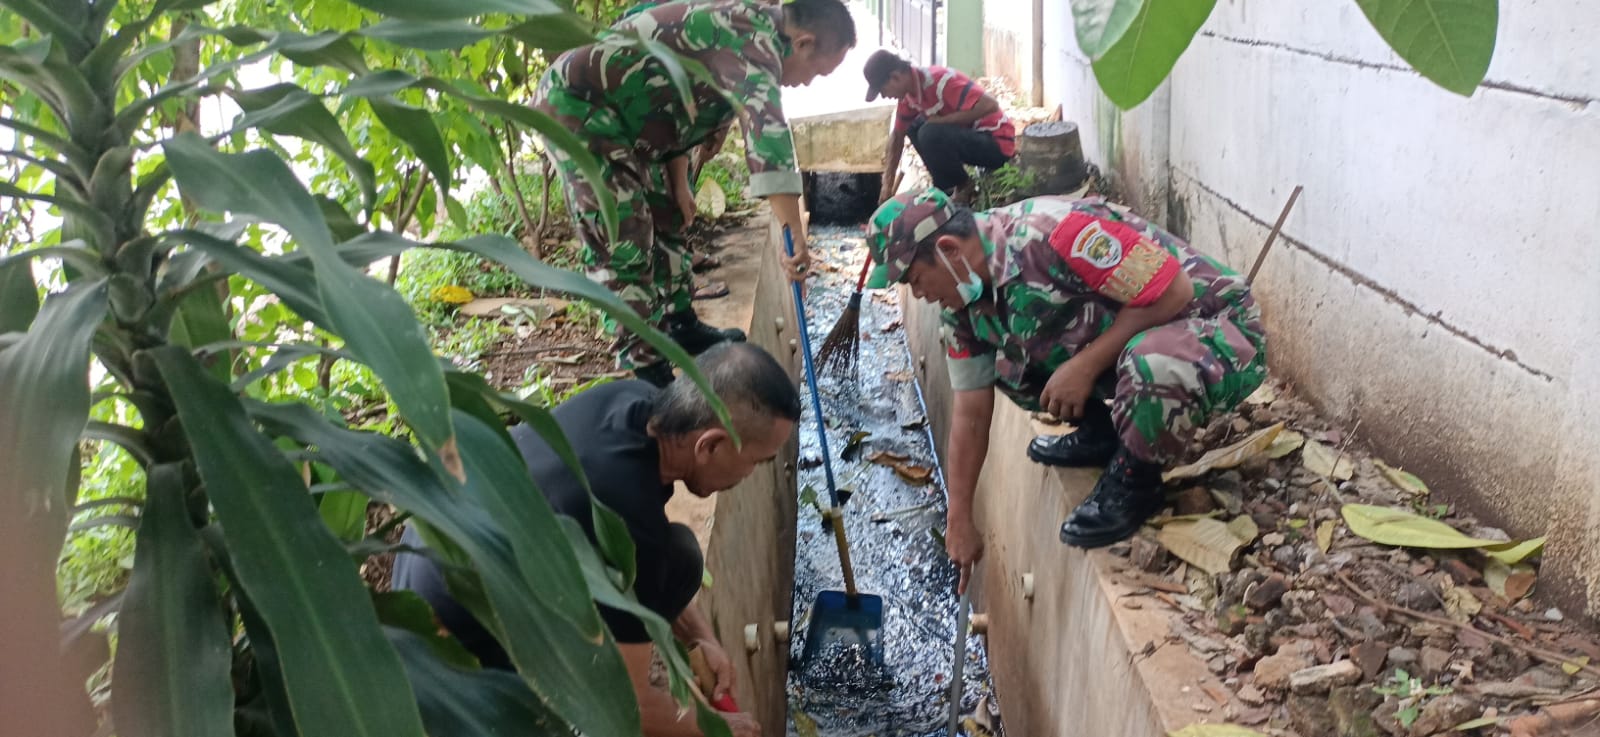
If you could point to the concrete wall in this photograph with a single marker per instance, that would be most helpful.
(1438, 279)
(751, 552)
(1064, 662)
(1008, 41)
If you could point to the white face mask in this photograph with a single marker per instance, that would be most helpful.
(969, 289)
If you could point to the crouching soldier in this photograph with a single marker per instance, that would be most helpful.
(1084, 310)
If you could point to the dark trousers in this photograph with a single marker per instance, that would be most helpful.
(666, 584)
(947, 149)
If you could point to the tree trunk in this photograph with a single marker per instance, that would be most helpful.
(529, 226)
(405, 208)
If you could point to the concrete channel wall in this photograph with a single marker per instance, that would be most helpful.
(751, 549)
(1068, 661)
(1437, 280)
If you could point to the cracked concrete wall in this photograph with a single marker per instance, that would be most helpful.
(1438, 279)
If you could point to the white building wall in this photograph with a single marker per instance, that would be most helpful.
(1440, 276)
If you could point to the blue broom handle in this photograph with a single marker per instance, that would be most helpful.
(811, 374)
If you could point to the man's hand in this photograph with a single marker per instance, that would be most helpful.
(798, 267)
(1068, 389)
(887, 191)
(964, 544)
(741, 724)
(721, 668)
(686, 204)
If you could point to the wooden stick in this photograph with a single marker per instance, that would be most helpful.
(1282, 216)
(1540, 653)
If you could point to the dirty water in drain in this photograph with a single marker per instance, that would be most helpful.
(894, 513)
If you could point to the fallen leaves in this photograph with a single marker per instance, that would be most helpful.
(1287, 442)
(1203, 543)
(1325, 536)
(1390, 526)
(852, 447)
(912, 473)
(1511, 582)
(1459, 603)
(710, 200)
(900, 376)
(1324, 461)
(1227, 457)
(1402, 479)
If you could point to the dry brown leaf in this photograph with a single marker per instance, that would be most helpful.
(1324, 461)
(1519, 584)
(898, 375)
(1204, 543)
(887, 457)
(1402, 479)
(1459, 603)
(1287, 442)
(912, 473)
(1263, 394)
(1228, 457)
(1244, 528)
(1325, 536)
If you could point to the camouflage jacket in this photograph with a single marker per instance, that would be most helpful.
(626, 99)
(1049, 300)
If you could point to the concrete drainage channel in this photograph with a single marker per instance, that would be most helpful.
(894, 511)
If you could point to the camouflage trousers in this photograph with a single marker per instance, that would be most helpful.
(648, 264)
(1174, 378)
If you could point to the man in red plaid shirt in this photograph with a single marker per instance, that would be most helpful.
(950, 120)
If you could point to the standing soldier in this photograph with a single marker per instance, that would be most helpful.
(621, 99)
(1064, 305)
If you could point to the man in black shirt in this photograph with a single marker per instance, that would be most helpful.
(635, 442)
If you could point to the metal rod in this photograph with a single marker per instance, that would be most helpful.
(1273, 236)
(956, 678)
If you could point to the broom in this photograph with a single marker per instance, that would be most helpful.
(840, 348)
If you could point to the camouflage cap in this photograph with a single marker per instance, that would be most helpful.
(898, 227)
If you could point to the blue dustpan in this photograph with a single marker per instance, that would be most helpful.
(848, 617)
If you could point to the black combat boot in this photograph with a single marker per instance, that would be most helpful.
(1091, 444)
(658, 373)
(1128, 493)
(696, 337)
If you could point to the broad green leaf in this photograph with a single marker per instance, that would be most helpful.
(377, 325)
(295, 286)
(574, 668)
(408, 611)
(1513, 553)
(1141, 59)
(19, 295)
(667, 646)
(610, 531)
(345, 514)
(416, 127)
(457, 701)
(287, 110)
(201, 319)
(44, 390)
(434, 10)
(340, 673)
(1214, 730)
(1402, 479)
(507, 253)
(440, 35)
(324, 49)
(1448, 41)
(1399, 527)
(173, 653)
(272, 704)
(555, 35)
(1100, 23)
(64, 22)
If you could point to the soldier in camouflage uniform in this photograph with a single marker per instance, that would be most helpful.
(1064, 305)
(622, 101)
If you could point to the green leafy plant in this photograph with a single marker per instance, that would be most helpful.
(1413, 696)
(189, 266)
(1135, 43)
(1002, 186)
